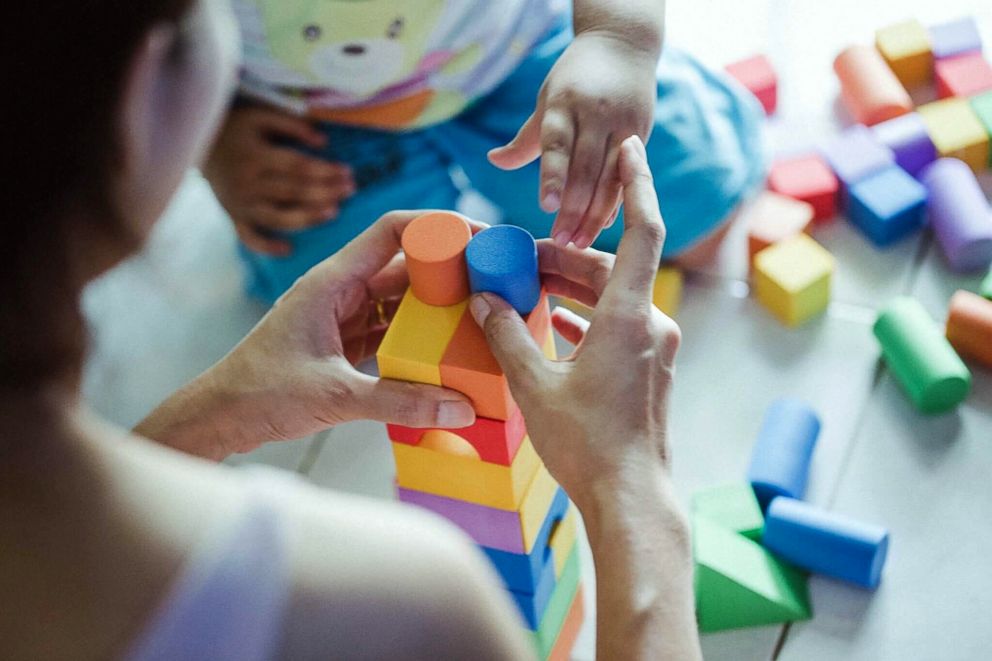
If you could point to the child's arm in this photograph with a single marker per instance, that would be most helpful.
(601, 90)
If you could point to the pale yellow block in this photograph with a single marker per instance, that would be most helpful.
(957, 132)
(535, 506)
(667, 295)
(549, 348)
(578, 308)
(792, 279)
(466, 478)
(906, 48)
(563, 541)
(416, 340)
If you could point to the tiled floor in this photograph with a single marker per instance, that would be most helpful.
(167, 314)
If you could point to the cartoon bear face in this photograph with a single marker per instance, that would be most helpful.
(353, 46)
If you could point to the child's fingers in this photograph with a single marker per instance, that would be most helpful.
(257, 241)
(569, 325)
(557, 140)
(584, 170)
(524, 148)
(603, 203)
(290, 218)
(278, 123)
(285, 161)
(286, 190)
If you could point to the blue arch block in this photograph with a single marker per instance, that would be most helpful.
(503, 260)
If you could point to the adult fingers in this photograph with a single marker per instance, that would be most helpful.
(522, 149)
(282, 124)
(564, 288)
(258, 241)
(557, 142)
(408, 404)
(391, 281)
(510, 341)
(584, 169)
(589, 268)
(569, 325)
(604, 201)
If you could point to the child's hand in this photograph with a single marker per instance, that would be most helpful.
(601, 91)
(266, 186)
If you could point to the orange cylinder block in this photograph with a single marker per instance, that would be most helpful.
(435, 257)
(969, 326)
(869, 89)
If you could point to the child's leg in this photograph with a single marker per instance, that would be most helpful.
(705, 149)
(391, 171)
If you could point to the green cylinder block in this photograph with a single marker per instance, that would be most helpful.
(920, 357)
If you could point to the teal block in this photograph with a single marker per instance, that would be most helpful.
(986, 289)
(731, 506)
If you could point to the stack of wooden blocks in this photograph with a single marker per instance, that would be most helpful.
(486, 478)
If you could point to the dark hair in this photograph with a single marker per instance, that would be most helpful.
(67, 63)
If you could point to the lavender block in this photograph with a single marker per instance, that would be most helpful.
(955, 38)
(960, 215)
(909, 140)
(888, 205)
(854, 155)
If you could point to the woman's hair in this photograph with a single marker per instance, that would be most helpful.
(67, 65)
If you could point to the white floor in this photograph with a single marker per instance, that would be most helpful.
(170, 312)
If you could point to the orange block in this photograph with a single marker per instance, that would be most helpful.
(562, 651)
(869, 89)
(772, 218)
(969, 326)
(435, 257)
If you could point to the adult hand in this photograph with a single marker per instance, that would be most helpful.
(268, 187)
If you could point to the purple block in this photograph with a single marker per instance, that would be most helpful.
(909, 140)
(955, 38)
(960, 215)
(854, 155)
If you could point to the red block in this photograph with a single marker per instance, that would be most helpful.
(808, 179)
(965, 75)
(496, 441)
(756, 74)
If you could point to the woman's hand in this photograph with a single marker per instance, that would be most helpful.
(295, 374)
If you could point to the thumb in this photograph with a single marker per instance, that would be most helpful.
(289, 126)
(409, 404)
(511, 343)
(524, 148)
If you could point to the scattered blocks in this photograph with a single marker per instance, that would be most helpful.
(854, 155)
(955, 38)
(959, 214)
(809, 179)
(792, 279)
(740, 584)
(782, 454)
(965, 75)
(920, 357)
(434, 245)
(868, 88)
(417, 339)
(888, 205)
(559, 608)
(667, 294)
(909, 141)
(956, 131)
(732, 506)
(772, 218)
(969, 326)
(905, 47)
(503, 260)
(757, 75)
(495, 441)
(522, 572)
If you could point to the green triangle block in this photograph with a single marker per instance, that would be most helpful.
(732, 506)
(740, 584)
(986, 289)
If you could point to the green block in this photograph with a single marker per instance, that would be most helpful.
(557, 609)
(982, 105)
(731, 506)
(986, 289)
(740, 584)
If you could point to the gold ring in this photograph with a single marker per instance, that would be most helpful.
(380, 310)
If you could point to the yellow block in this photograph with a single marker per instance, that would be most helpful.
(563, 541)
(792, 279)
(535, 506)
(906, 48)
(667, 294)
(549, 349)
(416, 340)
(956, 131)
(466, 478)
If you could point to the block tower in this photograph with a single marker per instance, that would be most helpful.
(486, 478)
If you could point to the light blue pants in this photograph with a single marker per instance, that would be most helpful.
(705, 153)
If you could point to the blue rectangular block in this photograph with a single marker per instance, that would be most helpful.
(888, 206)
(854, 155)
(532, 605)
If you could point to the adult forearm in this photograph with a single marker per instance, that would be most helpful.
(638, 22)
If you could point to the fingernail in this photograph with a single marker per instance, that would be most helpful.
(453, 415)
(480, 309)
(582, 242)
(551, 202)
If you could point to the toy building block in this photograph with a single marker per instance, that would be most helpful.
(855, 155)
(909, 140)
(920, 357)
(981, 105)
(533, 604)
(503, 260)
(772, 218)
(434, 246)
(969, 327)
(955, 38)
(563, 539)
(965, 75)
(868, 88)
(522, 571)
(826, 543)
(986, 289)
(757, 75)
(566, 591)
(495, 441)
(740, 584)
(732, 506)
(417, 339)
(959, 214)
(570, 628)
(792, 279)
(513, 531)
(442, 473)
(782, 454)
(905, 47)
(888, 205)
(809, 179)
(956, 131)
(667, 293)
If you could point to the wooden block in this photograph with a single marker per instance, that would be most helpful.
(905, 47)
(562, 541)
(757, 75)
(772, 218)
(868, 88)
(455, 476)
(416, 340)
(495, 441)
(434, 245)
(965, 75)
(981, 105)
(522, 572)
(969, 327)
(513, 531)
(565, 592)
(740, 584)
(731, 506)
(957, 132)
(888, 205)
(562, 650)
(792, 279)
(955, 38)
(667, 292)
(809, 179)
(532, 605)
